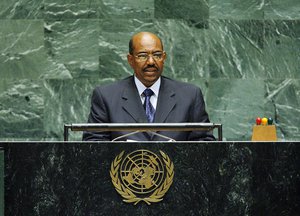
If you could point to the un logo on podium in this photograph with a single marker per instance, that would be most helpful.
(142, 176)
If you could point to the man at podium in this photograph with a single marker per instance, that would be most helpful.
(147, 96)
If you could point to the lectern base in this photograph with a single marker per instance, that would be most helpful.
(210, 178)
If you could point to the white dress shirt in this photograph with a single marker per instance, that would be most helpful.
(155, 88)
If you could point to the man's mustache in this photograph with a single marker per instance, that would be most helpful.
(150, 67)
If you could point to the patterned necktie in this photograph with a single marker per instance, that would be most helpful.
(150, 111)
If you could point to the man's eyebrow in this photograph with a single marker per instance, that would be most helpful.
(142, 52)
(156, 51)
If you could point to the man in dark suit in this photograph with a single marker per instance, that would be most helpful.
(147, 96)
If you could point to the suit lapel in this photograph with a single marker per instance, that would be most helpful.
(132, 103)
(134, 107)
(166, 102)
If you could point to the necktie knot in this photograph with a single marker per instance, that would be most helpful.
(148, 92)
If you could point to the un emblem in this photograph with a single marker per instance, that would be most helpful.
(142, 176)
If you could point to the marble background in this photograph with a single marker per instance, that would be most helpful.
(244, 54)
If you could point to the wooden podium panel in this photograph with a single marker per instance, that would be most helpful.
(210, 178)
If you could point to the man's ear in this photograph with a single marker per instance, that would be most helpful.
(130, 59)
(164, 57)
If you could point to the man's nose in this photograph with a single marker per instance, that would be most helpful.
(150, 60)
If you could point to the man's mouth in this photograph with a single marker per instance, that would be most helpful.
(150, 70)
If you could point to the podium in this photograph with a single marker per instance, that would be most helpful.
(1, 181)
(210, 178)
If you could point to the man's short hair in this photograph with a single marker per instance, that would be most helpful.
(131, 45)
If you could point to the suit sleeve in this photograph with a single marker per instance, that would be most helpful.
(98, 114)
(200, 115)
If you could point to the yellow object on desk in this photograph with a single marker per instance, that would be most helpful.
(264, 133)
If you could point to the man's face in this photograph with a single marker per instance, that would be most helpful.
(147, 59)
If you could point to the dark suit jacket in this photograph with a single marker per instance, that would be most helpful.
(120, 102)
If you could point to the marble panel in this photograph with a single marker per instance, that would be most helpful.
(271, 159)
(129, 8)
(228, 178)
(283, 10)
(282, 49)
(178, 9)
(236, 9)
(113, 45)
(73, 9)
(21, 110)
(236, 49)
(1, 181)
(72, 48)
(22, 53)
(67, 101)
(187, 49)
(283, 104)
(51, 46)
(21, 9)
(235, 103)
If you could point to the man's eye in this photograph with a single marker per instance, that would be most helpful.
(142, 56)
(157, 55)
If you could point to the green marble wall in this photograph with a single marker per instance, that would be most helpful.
(244, 54)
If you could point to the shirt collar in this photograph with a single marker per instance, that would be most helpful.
(140, 86)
